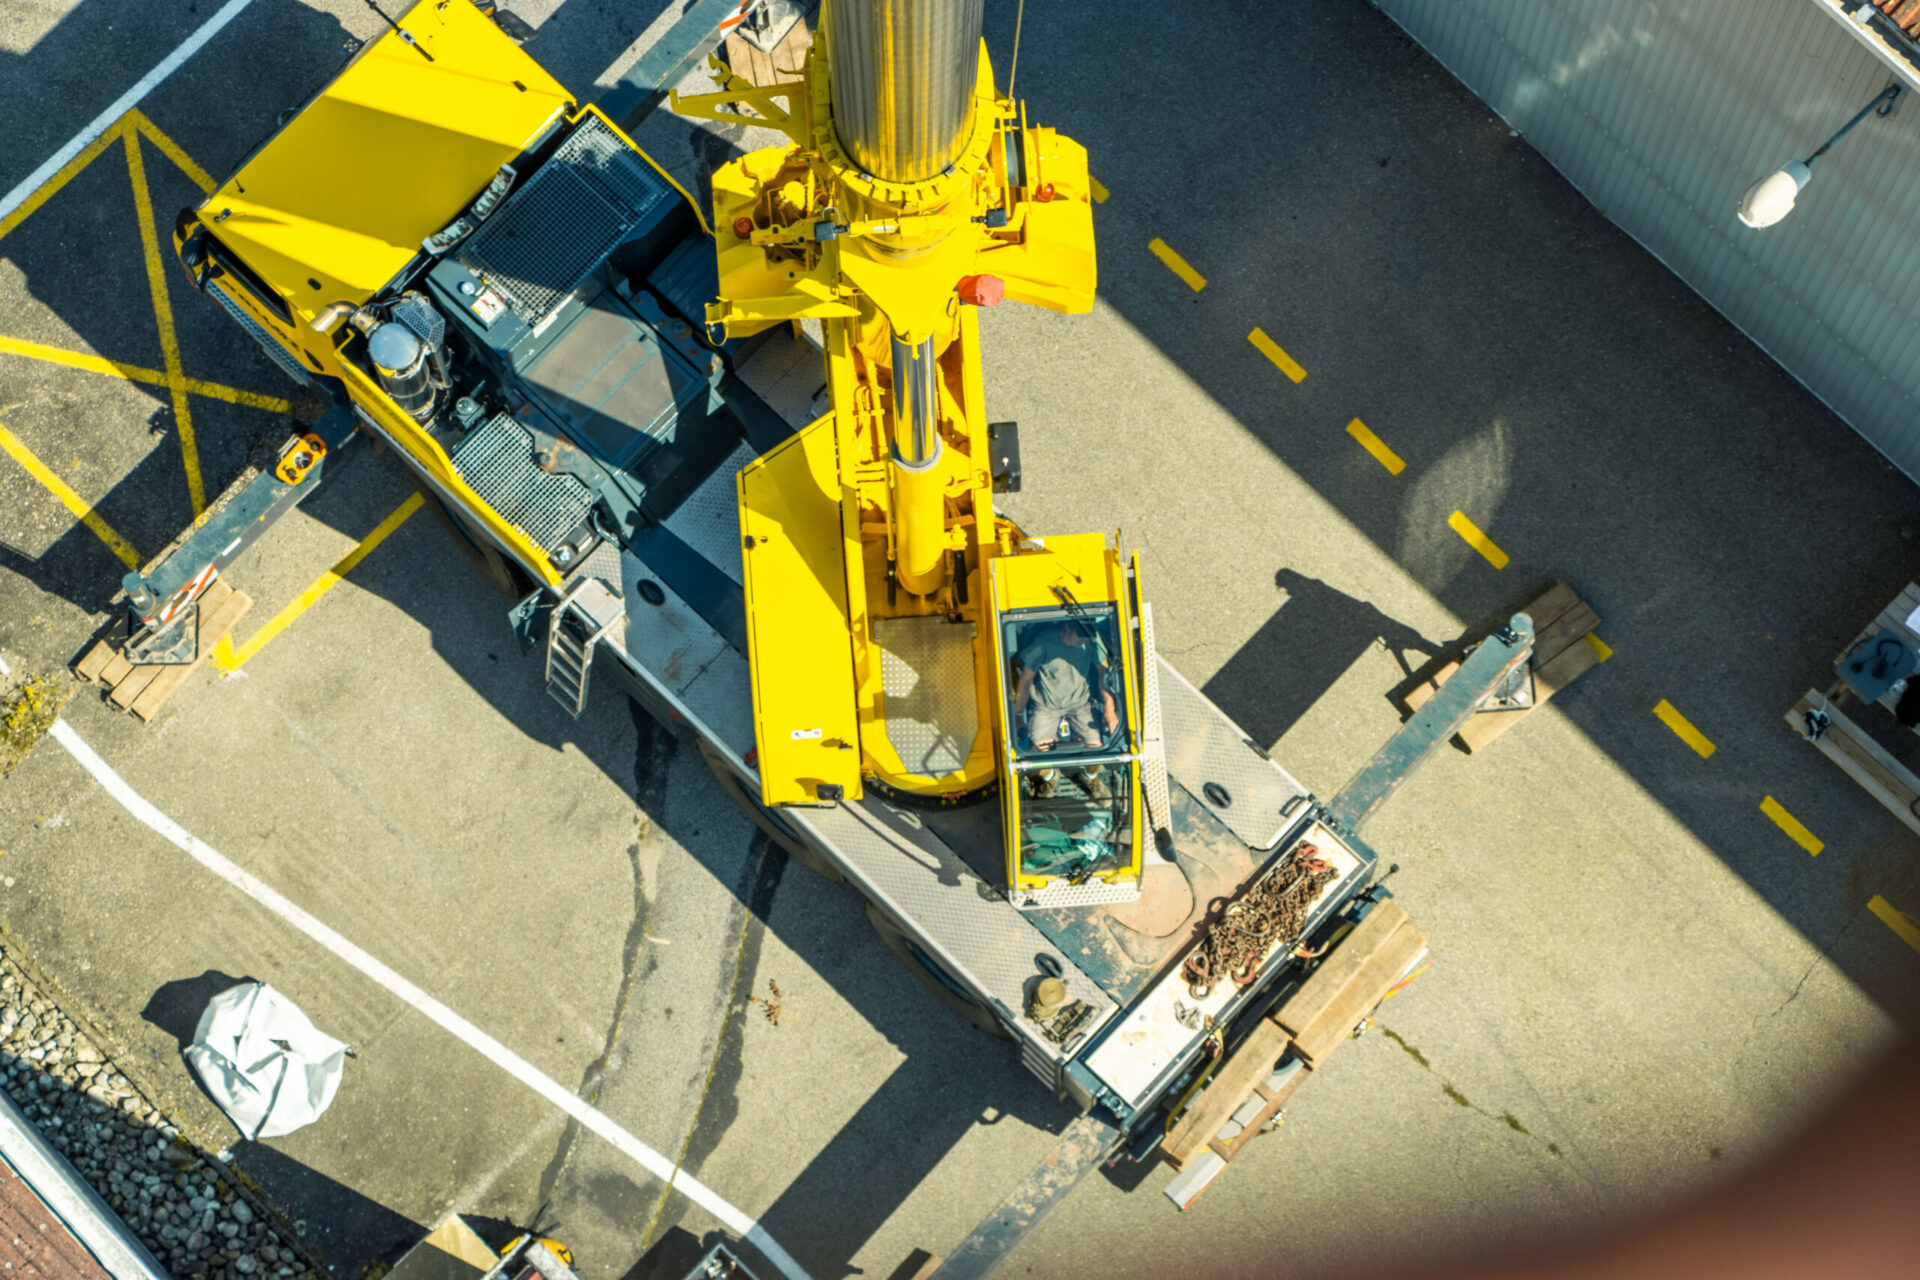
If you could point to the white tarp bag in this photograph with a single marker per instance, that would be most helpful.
(270, 1069)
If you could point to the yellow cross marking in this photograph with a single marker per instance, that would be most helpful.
(134, 373)
(1099, 192)
(59, 488)
(1600, 646)
(1177, 264)
(1794, 828)
(1271, 350)
(128, 131)
(1683, 729)
(163, 318)
(229, 659)
(1479, 541)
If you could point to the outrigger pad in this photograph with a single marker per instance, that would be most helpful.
(177, 644)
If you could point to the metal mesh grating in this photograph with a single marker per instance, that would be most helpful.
(595, 151)
(564, 219)
(275, 352)
(497, 461)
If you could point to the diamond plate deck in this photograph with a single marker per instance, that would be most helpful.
(709, 519)
(1059, 893)
(786, 371)
(961, 919)
(926, 674)
(1204, 746)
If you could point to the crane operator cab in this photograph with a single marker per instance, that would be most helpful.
(1069, 723)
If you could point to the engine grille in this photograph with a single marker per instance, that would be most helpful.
(564, 219)
(497, 461)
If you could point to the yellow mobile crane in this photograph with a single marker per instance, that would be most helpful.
(888, 606)
(611, 398)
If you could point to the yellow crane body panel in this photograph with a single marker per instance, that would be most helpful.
(799, 632)
(337, 203)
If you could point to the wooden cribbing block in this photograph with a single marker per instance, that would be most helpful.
(214, 625)
(1306, 1008)
(1232, 1083)
(1562, 621)
(1864, 760)
(144, 689)
(95, 661)
(1368, 987)
(1272, 1101)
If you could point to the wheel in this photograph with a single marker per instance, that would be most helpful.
(934, 977)
(771, 824)
(499, 570)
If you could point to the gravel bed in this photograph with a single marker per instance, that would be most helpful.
(183, 1205)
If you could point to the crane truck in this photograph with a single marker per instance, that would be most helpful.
(739, 462)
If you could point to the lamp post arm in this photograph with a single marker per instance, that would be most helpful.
(1882, 103)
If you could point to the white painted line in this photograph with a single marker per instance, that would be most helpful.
(506, 1059)
(121, 105)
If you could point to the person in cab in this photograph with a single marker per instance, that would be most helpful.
(1060, 673)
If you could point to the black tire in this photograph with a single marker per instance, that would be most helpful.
(771, 824)
(968, 1010)
(503, 573)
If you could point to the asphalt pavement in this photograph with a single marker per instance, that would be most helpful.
(1640, 983)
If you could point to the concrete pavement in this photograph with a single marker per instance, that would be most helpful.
(1639, 984)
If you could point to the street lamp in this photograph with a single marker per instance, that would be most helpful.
(1771, 199)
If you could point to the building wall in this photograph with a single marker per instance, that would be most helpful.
(1662, 112)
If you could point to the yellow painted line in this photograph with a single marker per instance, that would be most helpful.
(163, 318)
(1479, 541)
(1271, 350)
(73, 501)
(1794, 828)
(171, 150)
(1600, 646)
(1177, 264)
(1387, 458)
(66, 174)
(1897, 920)
(134, 373)
(1683, 729)
(1100, 193)
(229, 659)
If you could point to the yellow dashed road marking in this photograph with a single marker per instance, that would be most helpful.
(163, 317)
(1479, 541)
(1387, 458)
(1683, 729)
(1098, 192)
(134, 373)
(228, 659)
(1897, 920)
(1177, 264)
(1600, 646)
(1271, 350)
(72, 501)
(1794, 828)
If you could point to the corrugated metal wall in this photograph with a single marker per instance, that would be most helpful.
(1662, 112)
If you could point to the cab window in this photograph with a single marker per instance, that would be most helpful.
(1063, 682)
(1077, 824)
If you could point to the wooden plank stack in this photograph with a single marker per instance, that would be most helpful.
(1357, 974)
(1564, 647)
(143, 690)
(782, 66)
(1864, 760)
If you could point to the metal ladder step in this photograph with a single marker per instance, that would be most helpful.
(586, 611)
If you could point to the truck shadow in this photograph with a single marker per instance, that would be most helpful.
(1533, 368)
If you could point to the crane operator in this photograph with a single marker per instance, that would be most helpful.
(1059, 670)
